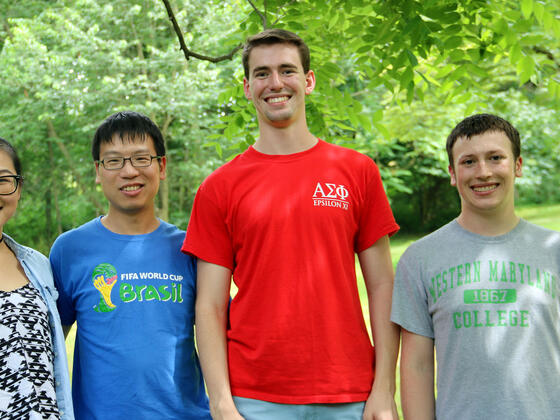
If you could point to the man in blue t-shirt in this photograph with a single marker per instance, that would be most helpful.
(124, 280)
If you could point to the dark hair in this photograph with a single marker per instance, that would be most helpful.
(275, 36)
(479, 124)
(130, 125)
(11, 152)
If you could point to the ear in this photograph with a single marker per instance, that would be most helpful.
(246, 88)
(162, 166)
(518, 167)
(453, 180)
(97, 179)
(309, 82)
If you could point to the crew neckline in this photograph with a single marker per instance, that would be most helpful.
(492, 239)
(254, 153)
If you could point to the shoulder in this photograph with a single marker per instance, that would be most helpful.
(338, 152)
(35, 260)
(425, 246)
(530, 232)
(85, 229)
(71, 242)
(169, 231)
(171, 236)
(24, 252)
(224, 172)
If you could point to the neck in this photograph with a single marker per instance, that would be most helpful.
(130, 224)
(488, 224)
(286, 140)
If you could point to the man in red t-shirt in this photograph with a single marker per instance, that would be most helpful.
(286, 219)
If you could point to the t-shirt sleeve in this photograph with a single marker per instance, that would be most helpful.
(376, 219)
(208, 237)
(64, 301)
(410, 300)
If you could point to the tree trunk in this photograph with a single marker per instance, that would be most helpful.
(163, 211)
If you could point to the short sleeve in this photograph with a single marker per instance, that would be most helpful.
(376, 218)
(208, 237)
(410, 307)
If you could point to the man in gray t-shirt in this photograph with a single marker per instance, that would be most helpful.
(484, 291)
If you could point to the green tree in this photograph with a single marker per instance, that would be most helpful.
(393, 78)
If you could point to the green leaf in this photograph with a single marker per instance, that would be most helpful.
(406, 77)
(538, 10)
(525, 69)
(515, 53)
(411, 58)
(453, 42)
(410, 93)
(527, 8)
(382, 129)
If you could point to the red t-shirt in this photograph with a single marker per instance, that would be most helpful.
(288, 226)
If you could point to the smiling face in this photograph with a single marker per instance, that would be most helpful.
(8, 203)
(277, 84)
(130, 190)
(484, 171)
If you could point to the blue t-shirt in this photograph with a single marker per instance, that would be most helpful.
(133, 299)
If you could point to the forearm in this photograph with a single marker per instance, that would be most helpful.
(213, 284)
(417, 377)
(378, 275)
(417, 393)
(212, 348)
(385, 335)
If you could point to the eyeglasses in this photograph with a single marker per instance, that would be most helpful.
(138, 161)
(9, 184)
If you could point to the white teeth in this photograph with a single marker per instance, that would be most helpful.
(131, 188)
(482, 189)
(280, 99)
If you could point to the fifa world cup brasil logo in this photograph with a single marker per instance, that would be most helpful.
(104, 277)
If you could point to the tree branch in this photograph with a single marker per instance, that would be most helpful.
(186, 51)
(260, 14)
(548, 55)
(282, 7)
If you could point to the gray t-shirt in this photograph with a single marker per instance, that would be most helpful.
(491, 304)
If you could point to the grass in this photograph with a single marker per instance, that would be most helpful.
(543, 215)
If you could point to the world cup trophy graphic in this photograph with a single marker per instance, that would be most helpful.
(104, 277)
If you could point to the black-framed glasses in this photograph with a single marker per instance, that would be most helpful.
(9, 184)
(138, 161)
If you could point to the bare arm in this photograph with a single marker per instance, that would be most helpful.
(417, 377)
(377, 269)
(213, 286)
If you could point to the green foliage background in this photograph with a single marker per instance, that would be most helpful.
(394, 77)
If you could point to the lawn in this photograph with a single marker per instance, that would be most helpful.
(544, 215)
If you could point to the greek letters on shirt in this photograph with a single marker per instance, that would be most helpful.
(331, 195)
(491, 290)
(134, 287)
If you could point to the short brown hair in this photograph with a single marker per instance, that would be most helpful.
(276, 36)
(479, 124)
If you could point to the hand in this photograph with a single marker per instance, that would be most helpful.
(225, 413)
(229, 416)
(380, 405)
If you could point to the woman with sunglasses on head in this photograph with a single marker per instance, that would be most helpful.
(34, 380)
